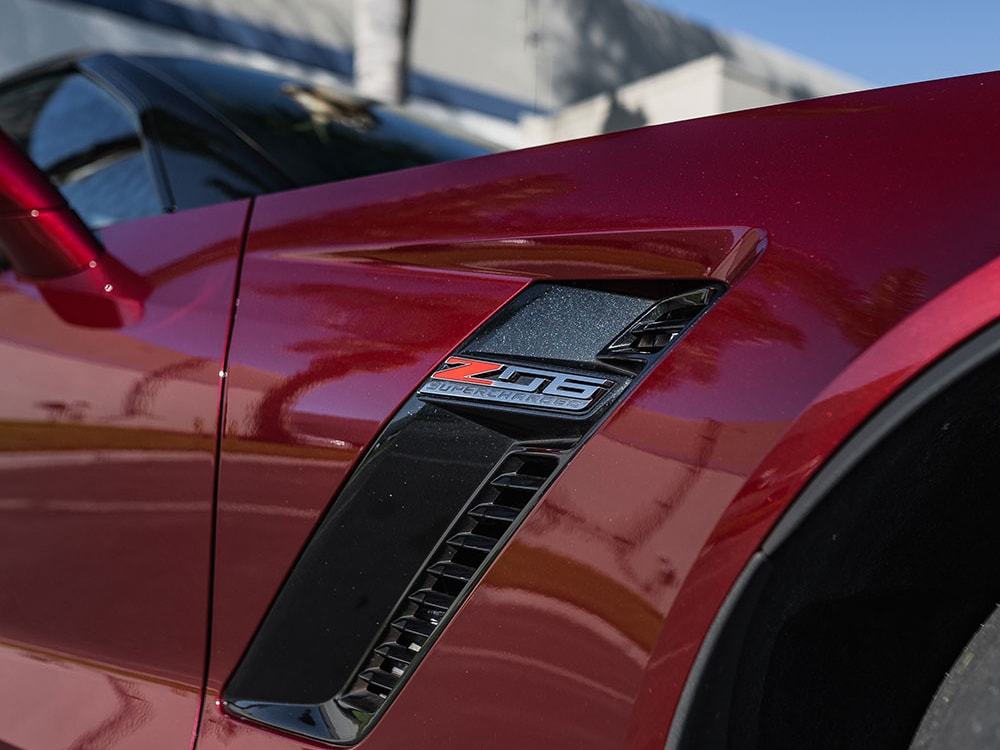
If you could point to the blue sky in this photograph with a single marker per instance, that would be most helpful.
(883, 43)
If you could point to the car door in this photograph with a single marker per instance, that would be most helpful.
(109, 403)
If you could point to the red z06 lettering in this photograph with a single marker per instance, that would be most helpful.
(465, 371)
(579, 388)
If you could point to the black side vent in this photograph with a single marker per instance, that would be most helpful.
(458, 562)
(658, 327)
(439, 493)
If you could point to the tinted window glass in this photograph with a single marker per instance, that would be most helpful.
(88, 144)
(203, 166)
(315, 134)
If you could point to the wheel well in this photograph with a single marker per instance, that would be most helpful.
(856, 609)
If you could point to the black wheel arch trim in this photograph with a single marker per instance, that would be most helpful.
(718, 649)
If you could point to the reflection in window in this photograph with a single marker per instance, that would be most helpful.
(314, 134)
(119, 191)
(88, 144)
(203, 168)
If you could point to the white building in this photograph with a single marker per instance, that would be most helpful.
(518, 71)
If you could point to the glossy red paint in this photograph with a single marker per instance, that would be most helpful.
(582, 632)
(22, 186)
(104, 294)
(47, 244)
(106, 488)
(328, 343)
(39, 235)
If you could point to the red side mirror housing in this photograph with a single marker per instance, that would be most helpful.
(47, 244)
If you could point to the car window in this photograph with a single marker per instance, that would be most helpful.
(203, 167)
(312, 133)
(88, 144)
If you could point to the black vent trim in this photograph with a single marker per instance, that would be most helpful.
(658, 327)
(438, 495)
(460, 559)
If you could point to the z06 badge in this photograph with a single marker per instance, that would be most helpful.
(514, 385)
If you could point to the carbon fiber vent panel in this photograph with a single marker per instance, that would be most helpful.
(439, 493)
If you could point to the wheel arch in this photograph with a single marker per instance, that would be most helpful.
(850, 592)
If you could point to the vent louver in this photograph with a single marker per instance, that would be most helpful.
(459, 560)
(657, 328)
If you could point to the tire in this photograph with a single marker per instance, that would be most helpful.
(965, 712)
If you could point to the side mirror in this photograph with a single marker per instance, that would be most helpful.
(49, 246)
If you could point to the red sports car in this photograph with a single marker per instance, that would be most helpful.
(685, 436)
